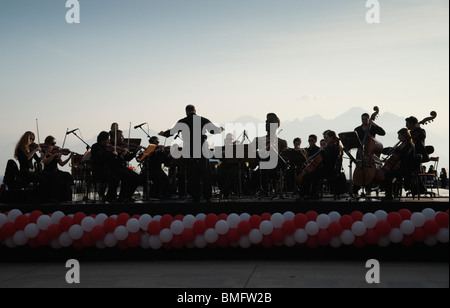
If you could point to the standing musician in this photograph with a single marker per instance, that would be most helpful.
(61, 182)
(25, 152)
(155, 173)
(405, 161)
(331, 160)
(227, 172)
(418, 136)
(197, 165)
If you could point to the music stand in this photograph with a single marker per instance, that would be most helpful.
(350, 140)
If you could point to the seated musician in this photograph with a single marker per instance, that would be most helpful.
(61, 182)
(262, 178)
(406, 155)
(331, 159)
(108, 166)
(25, 152)
(313, 148)
(160, 187)
(227, 172)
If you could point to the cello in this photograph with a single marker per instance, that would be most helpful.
(366, 169)
(313, 165)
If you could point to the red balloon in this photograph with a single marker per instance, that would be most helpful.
(278, 235)
(211, 220)
(154, 227)
(244, 227)
(122, 244)
(312, 241)
(87, 239)
(419, 234)
(255, 221)
(34, 215)
(371, 236)
(78, 217)
(335, 228)
(311, 215)
(199, 227)
(431, 227)
(222, 241)
(408, 240)
(78, 244)
(110, 224)
(21, 222)
(178, 217)
(54, 231)
(383, 227)
(233, 235)
(98, 233)
(357, 215)
(188, 235)
(266, 216)
(394, 219)
(33, 242)
(65, 223)
(134, 239)
(134, 216)
(405, 213)
(300, 220)
(122, 219)
(166, 220)
(359, 242)
(323, 237)
(288, 227)
(8, 229)
(222, 216)
(346, 222)
(441, 218)
(177, 241)
(267, 241)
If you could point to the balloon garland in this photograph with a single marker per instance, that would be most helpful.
(310, 229)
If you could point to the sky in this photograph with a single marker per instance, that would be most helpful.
(144, 60)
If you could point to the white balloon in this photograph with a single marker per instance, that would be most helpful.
(144, 220)
(418, 219)
(407, 227)
(429, 213)
(158, 217)
(88, 223)
(100, 244)
(370, 220)
(154, 242)
(359, 228)
(334, 216)
(13, 214)
(312, 228)
(222, 227)
(65, 240)
(43, 222)
(110, 240)
(335, 241)
(323, 221)
(289, 215)
(233, 220)
(266, 227)
(9, 242)
(19, 238)
(442, 235)
(75, 232)
(200, 241)
(244, 216)
(396, 235)
(244, 241)
(100, 219)
(300, 236)
(31, 230)
(347, 237)
(430, 240)
(289, 241)
(3, 219)
(144, 240)
(177, 227)
(133, 225)
(188, 221)
(211, 235)
(120, 233)
(277, 220)
(200, 216)
(55, 244)
(381, 214)
(255, 236)
(383, 241)
(56, 217)
(165, 235)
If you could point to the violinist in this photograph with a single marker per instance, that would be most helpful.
(25, 152)
(405, 165)
(61, 182)
(155, 173)
(331, 161)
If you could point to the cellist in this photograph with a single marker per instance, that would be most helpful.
(404, 165)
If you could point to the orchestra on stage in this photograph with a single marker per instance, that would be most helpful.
(265, 167)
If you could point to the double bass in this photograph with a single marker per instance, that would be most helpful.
(366, 169)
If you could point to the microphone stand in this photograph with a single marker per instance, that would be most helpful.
(87, 145)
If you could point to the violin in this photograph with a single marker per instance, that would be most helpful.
(55, 150)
